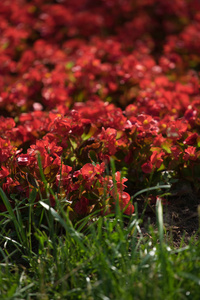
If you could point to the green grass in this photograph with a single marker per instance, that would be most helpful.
(44, 256)
(103, 258)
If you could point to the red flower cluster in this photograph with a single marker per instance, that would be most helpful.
(83, 81)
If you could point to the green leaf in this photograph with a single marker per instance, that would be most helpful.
(166, 145)
(33, 182)
(69, 65)
(93, 156)
(33, 196)
(86, 136)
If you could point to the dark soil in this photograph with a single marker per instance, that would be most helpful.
(181, 217)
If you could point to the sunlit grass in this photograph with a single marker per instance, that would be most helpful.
(100, 258)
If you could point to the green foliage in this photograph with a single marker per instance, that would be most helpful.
(99, 258)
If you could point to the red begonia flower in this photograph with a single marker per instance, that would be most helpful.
(147, 167)
(4, 172)
(81, 206)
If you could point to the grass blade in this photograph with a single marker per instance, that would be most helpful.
(163, 186)
(77, 236)
(19, 229)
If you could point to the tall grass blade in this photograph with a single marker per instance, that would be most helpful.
(77, 236)
(190, 277)
(19, 229)
(8, 205)
(157, 187)
(160, 220)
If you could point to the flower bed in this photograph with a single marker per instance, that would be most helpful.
(87, 81)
